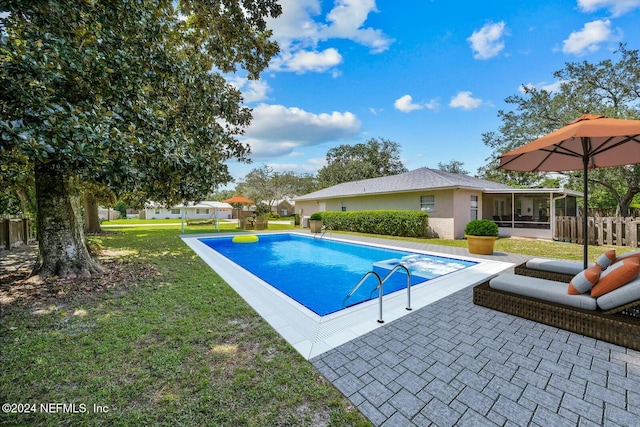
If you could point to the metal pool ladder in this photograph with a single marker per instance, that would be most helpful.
(381, 286)
(323, 230)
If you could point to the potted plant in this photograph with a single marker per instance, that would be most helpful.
(315, 222)
(481, 234)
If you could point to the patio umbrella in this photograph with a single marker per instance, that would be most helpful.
(238, 200)
(591, 141)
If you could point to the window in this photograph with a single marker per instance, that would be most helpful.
(428, 203)
(202, 211)
(157, 211)
(474, 207)
(500, 207)
(175, 211)
(343, 206)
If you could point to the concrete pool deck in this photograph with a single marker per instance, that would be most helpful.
(310, 334)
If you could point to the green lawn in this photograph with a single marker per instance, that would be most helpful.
(180, 348)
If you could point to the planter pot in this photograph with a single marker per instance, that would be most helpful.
(481, 245)
(315, 225)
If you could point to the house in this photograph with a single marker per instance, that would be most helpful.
(200, 210)
(451, 200)
(284, 207)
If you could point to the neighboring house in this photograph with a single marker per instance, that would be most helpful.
(284, 207)
(201, 210)
(451, 200)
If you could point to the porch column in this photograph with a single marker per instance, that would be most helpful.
(513, 211)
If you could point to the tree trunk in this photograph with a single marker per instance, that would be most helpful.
(23, 196)
(91, 218)
(625, 202)
(61, 243)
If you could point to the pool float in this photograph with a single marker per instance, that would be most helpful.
(245, 239)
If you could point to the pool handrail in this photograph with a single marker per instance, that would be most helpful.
(408, 284)
(360, 282)
(381, 287)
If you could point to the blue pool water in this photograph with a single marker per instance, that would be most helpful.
(319, 273)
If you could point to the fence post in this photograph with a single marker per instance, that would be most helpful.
(25, 230)
(4, 233)
(632, 233)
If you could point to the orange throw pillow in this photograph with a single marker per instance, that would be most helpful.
(606, 259)
(617, 275)
(585, 280)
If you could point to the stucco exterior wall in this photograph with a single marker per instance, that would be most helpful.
(462, 210)
(441, 220)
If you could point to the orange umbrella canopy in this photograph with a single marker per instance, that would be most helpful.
(239, 200)
(591, 141)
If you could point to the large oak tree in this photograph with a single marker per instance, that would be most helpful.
(266, 187)
(372, 159)
(128, 94)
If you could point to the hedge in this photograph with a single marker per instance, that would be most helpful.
(388, 222)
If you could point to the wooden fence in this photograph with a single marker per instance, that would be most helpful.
(15, 232)
(613, 231)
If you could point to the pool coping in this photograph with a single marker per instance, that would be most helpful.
(311, 334)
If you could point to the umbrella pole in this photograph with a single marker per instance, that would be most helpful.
(585, 222)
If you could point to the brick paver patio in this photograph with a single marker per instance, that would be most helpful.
(454, 363)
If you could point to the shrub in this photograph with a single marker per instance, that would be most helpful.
(316, 216)
(481, 227)
(389, 222)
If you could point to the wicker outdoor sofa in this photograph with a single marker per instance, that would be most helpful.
(619, 325)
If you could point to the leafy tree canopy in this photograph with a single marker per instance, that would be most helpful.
(264, 185)
(454, 166)
(607, 88)
(125, 94)
(375, 158)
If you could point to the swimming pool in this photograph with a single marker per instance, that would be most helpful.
(320, 273)
(311, 334)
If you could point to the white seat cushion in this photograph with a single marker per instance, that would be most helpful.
(557, 265)
(547, 290)
(621, 296)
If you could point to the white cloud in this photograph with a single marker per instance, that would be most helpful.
(303, 61)
(616, 7)
(588, 39)
(549, 87)
(346, 21)
(487, 41)
(300, 28)
(406, 105)
(277, 130)
(252, 90)
(432, 105)
(311, 166)
(464, 100)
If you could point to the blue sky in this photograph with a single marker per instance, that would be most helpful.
(430, 75)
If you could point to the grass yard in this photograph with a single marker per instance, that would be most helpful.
(533, 247)
(179, 347)
(163, 340)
